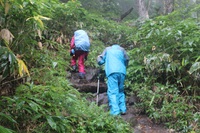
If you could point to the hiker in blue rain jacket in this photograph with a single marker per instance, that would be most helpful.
(116, 60)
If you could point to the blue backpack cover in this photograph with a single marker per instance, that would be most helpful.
(82, 41)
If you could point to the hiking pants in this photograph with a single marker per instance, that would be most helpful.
(115, 92)
(80, 55)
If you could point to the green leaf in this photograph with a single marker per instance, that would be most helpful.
(34, 106)
(6, 71)
(5, 130)
(194, 67)
(55, 64)
(3, 65)
(8, 117)
(180, 32)
(197, 59)
(51, 122)
(152, 99)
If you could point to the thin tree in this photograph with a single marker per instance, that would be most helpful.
(143, 10)
(168, 6)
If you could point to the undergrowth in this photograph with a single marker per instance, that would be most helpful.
(48, 102)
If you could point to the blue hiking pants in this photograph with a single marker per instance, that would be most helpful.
(115, 92)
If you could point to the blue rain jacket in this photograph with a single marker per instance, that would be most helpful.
(115, 59)
(82, 41)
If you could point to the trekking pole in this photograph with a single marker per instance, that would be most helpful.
(97, 100)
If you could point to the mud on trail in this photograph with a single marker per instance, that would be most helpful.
(140, 122)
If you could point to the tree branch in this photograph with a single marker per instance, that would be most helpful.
(126, 14)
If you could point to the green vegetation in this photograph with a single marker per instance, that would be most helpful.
(60, 108)
(35, 36)
(166, 78)
(47, 102)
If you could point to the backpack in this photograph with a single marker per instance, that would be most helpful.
(81, 40)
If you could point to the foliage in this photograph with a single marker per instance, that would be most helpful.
(164, 71)
(15, 16)
(107, 9)
(8, 62)
(5, 130)
(55, 108)
(44, 24)
(48, 103)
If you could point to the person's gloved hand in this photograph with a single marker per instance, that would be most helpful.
(72, 52)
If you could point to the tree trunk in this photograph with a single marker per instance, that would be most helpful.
(198, 12)
(195, 13)
(142, 10)
(168, 6)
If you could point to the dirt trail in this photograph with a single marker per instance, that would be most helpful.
(140, 122)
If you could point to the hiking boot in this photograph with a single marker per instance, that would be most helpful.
(123, 113)
(81, 75)
(74, 68)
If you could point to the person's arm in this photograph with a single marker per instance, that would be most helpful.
(72, 44)
(101, 58)
(126, 58)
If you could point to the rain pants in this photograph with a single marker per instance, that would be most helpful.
(81, 44)
(116, 60)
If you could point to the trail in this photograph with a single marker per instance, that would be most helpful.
(140, 122)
